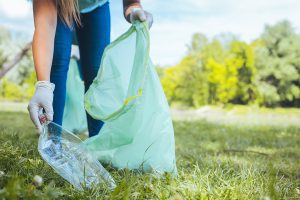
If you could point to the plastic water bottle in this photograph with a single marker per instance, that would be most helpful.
(67, 155)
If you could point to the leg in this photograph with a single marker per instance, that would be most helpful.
(59, 69)
(93, 37)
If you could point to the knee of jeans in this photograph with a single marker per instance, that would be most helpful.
(61, 57)
(60, 65)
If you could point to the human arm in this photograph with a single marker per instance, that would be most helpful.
(45, 19)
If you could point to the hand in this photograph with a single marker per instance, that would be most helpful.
(141, 15)
(41, 100)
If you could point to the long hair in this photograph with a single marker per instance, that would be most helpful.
(68, 10)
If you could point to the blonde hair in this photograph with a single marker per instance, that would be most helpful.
(68, 10)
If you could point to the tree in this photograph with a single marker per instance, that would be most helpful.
(4, 38)
(183, 83)
(9, 64)
(231, 71)
(212, 73)
(246, 72)
(19, 83)
(186, 83)
(278, 65)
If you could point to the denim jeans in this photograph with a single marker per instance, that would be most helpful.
(93, 36)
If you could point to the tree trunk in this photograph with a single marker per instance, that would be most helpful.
(10, 64)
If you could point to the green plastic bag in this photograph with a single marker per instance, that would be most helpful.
(127, 95)
(74, 118)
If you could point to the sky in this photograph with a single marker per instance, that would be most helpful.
(175, 21)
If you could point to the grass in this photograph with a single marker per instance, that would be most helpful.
(215, 161)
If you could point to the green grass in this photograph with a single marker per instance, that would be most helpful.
(214, 162)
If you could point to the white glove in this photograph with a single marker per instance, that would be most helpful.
(141, 15)
(41, 100)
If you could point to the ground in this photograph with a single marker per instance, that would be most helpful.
(214, 160)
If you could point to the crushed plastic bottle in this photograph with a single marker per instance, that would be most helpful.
(67, 155)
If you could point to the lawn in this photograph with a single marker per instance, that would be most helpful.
(215, 161)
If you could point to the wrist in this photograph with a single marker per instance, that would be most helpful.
(41, 77)
(45, 84)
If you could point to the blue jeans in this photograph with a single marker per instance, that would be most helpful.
(93, 36)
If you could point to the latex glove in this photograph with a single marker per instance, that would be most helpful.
(41, 100)
(141, 15)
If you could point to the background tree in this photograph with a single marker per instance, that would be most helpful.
(186, 83)
(278, 65)
(16, 67)
(243, 54)
(4, 38)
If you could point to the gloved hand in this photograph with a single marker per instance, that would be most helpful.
(141, 15)
(41, 100)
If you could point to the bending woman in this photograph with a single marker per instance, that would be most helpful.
(54, 21)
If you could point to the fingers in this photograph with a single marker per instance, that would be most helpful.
(142, 16)
(42, 116)
(137, 15)
(34, 115)
(37, 118)
(49, 113)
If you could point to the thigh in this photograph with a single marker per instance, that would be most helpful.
(59, 68)
(62, 48)
(93, 36)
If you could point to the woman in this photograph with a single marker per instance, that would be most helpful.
(54, 22)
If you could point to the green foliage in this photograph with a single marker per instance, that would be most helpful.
(226, 70)
(278, 65)
(10, 90)
(4, 38)
(24, 69)
(246, 74)
(214, 162)
(184, 83)
(212, 74)
(18, 83)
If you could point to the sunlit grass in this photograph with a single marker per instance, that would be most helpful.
(214, 162)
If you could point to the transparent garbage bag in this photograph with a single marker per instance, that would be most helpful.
(67, 155)
(74, 118)
(127, 95)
